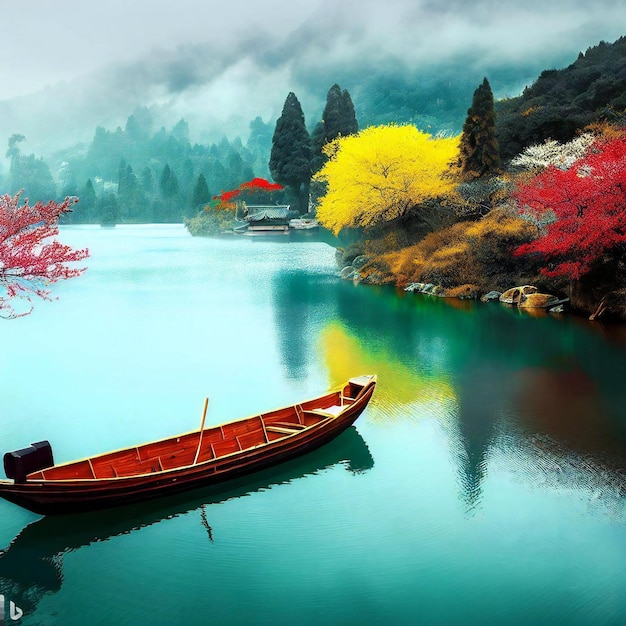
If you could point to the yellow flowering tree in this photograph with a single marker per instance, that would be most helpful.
(380, 173)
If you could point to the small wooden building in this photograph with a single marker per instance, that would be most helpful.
(270, 219)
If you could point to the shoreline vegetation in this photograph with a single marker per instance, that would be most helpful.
(558, 225)
(532, 192)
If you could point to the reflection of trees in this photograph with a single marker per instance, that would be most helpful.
(427, 334)
(558, 375)
(484, 391)
(291, 310)
(299, 298)
(569, 405)
(26, 576)
(483, 363)
(399, 383)
(32, 565)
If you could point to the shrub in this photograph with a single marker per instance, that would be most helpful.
(468, 253)
(210, 222)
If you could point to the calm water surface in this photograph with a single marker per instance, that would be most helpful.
(484, 484)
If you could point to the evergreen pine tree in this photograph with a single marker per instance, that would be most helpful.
(172, 206)
(129, 195)
(479, 152)
(290, 158)
(338, 119)
(259, 144)
(350, 125)
(88, 196)
(83, 212)
(147, 180)
(200, 196)
(168, 183)
(123, 180)
(107, 209)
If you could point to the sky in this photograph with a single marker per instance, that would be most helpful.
(193, 55)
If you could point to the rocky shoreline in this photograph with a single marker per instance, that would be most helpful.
(612, 305)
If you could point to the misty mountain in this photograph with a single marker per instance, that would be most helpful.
(219, 87)
(563, 101)
(190, 117)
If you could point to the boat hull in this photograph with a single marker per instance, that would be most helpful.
(52, 497)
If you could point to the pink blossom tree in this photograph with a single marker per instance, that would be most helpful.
(31, 258)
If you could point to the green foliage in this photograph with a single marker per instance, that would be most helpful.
(561, 102)
(200, 195)
(210, 221)
(259, 146)
(169, 207)
(434, 99)
(107, 209)
(479, 151)
(84, 211)
(338, 120)
(129, 193)
(130, 163)
(88, 196)
(168, 183)
(290, 158)
(29, 173)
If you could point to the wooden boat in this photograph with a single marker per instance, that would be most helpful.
(33, 561)
(186, 461)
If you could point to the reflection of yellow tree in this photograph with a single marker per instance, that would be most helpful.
(398, 384)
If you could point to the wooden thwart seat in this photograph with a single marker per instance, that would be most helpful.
(330, 411)
(281, 429)
(289, 425)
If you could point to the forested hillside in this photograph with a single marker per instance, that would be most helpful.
(137, 174)
(561, 102)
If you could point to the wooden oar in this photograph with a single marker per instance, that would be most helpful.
(206, 404)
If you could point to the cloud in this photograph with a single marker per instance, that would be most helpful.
(220, 66)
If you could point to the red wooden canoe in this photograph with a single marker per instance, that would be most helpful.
(173, 465)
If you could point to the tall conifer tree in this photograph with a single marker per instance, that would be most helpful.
(479, 152)
(200, 195)
(338, 119)
(290, 158)
(88, 196)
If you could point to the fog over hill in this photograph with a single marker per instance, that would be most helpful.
(69, 67)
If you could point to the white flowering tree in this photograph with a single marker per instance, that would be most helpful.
(550, 152)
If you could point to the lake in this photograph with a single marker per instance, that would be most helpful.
(484, 484)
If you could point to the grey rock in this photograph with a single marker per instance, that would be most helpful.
(349, 273)
(360, 261)
(492, 296)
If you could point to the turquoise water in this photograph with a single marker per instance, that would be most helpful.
(484, 484)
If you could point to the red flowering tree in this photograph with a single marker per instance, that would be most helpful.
(251, 190)
(30, 258)
(581, 210)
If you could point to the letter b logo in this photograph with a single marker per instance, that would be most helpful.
(14, 611)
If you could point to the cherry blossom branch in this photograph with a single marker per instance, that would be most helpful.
(31, 259)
